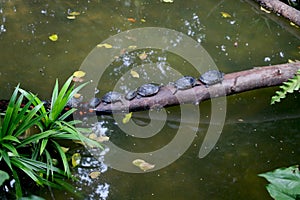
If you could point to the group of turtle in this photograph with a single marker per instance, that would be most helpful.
(210, 77)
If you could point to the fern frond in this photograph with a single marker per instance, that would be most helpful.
(289, 86)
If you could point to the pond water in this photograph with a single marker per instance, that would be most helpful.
(256, 137)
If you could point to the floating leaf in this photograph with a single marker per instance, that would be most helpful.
(105, 45)
(167, 1)
(127, 118)
(143, 56)
(102, 139)
(79, 74)
(131, 20)
(71, 17)
(134, 74)
(293, 24)
(76, 157)
(143, 20)
(74, 13)
(265, 10)
(290, 61)
(225, 15)
(132, 47)
(94, 175)
(53, 37)
(143, 165)
(77, 95)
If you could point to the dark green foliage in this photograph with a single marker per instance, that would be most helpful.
(290, 86)
(284, 183)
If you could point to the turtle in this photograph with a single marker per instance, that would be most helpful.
(184, 83)
(212, 77)
(94, 102)
(131, 95)
(147, 90)
(112, 97)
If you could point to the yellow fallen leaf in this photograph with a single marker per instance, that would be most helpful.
(265, 10)
(105, 45)
(77, 95)
(76, 157)
(65, 149)
(53, 37)
(290, 61)
(71, 17)
(143, 56)
(167, 1)
(127, 118)
(93, 136)
(79, 74)
(132, 47)
(293, 24)
(225, 15)
(94, 175)
(102, 139)
(143, 165)
(134, 74)
(143, 20)
(74, 13)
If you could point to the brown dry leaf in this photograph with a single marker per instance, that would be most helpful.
(94, 175)
(143, 56)
(134, 74)
(131, 20)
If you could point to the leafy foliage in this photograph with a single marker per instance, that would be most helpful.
(284, 183)
(290, 86)
(34, 155)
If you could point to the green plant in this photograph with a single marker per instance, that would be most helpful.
(43, 148)
(289, 86)
(284, 183)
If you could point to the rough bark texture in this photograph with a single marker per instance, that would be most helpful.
(233, 83)
(283, 9)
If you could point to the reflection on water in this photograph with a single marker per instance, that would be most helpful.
(256, 137)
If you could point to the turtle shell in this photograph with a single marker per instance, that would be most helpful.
(94, 102)
(112, 97)
(185, 82)
(148, 90)
(131, 95)
(212, 77)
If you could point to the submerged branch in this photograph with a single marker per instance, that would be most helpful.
(233, 83)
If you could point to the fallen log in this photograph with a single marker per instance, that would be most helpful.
(233, 83)
(281, 8)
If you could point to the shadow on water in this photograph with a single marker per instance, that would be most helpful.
(256, 137)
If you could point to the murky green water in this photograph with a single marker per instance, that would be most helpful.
(256, 137)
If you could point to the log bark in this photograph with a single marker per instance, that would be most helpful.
(233, 83)
(281, 8)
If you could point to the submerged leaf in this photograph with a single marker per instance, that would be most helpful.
(127, 118)
(225, 15)
(105, 45)
(76, 157)
(53, 37)
(134, 74)
(94, 175)
(143, 165)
